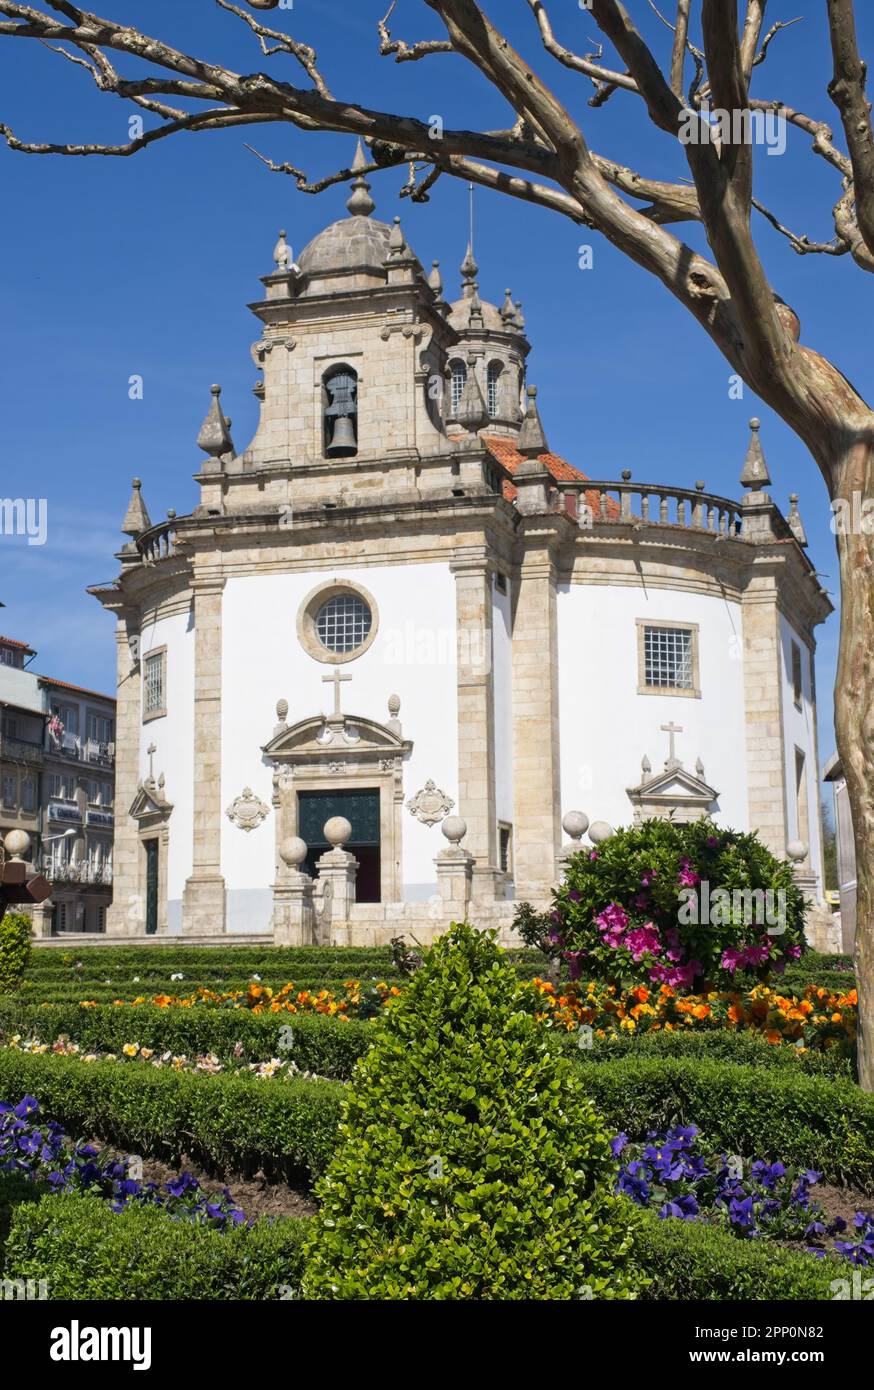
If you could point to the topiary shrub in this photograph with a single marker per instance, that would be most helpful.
(15, 937)
(471, 1164)
(687, 906)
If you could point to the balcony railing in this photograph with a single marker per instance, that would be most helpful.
(91, 874)
(21, 750)
(650, 504)
(85, 750)
(157, 543)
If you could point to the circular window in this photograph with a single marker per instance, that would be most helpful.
(337, 621)
(343, 623)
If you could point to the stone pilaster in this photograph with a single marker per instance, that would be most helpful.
(203, 900)
(476, 719)
(763, 708)
(536, 832)
(127, 912)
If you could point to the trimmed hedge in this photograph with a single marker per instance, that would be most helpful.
(15, 1188)
(15, 941)
(756, 1111)
(689, 1260)
(318, 1043)
(745, 1047)
(84, 1250)
(286, 1128)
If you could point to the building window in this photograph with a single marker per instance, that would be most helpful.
(505, 847)
(337, 622)
(340, 400)
(667, 658)
(458, 381)
(28, 794)
(99, 728)
(493, 385)
(10, 791)
(58, 786)
(154, 684)
(796, 675)
(69, 717)
(500, 582)
(9, 727)
(343, 623)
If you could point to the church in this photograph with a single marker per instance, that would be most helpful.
(398, 654)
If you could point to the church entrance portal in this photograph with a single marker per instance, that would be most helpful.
(361, 809)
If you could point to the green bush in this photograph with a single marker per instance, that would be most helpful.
(687, 1260)
(628, 911)
(15, 939)
(15, 1188)
(230, 1124)
(719, 1044)
(771, 1113)
(318, 1043)
(470, 1164)
(84, 1250)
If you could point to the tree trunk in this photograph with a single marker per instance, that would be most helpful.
(854, 708)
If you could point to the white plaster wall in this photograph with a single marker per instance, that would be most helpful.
(413, 656)
(173, 737)
(798, 732)
(502, 658)
(606, 727)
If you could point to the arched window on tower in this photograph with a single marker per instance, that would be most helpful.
(340, 407)
(458, 381)
(493, 384)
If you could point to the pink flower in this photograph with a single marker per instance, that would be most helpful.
(594, 854)
(687, 875)
(643, 940)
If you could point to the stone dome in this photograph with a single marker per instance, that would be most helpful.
(460, 311)
(353, 243)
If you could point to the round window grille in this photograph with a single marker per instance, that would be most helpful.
(343, 623)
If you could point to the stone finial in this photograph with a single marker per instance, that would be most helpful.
(599, 831)
(469, 272)
(645, 766)
(520, 317)
(359, 203)
(17, 845)
(796, 525)
(396, 243)
(699, 768)
(337, 831)
(394, 705)
(136, 518)
(282, 255)
(508, 308)
(532, 439)
(754, 474)
(435, 279)
(471, 411)
(293, 851)
(575, 824)
(215, 434)
(455, 829)
(796, 850)
(281, 710)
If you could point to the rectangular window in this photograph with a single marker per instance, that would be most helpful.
(9, 727)
(154, 684)
(10, 790)
(500, 582)
(505, 847)
(796, 675)
(99, 728)
(57, 786)
(69, 717)
(28, 794)
(667, 658)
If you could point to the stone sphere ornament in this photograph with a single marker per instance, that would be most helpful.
(599, 831)
(17, 844)
(454, 828)
(293, 851)
(797, 850)
(575, 824)
(337, 831)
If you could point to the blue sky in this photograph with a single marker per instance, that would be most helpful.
(144, 266)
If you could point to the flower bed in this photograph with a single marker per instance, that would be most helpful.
(685, 1179)
(819, 1019)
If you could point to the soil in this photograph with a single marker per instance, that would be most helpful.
(255, 1196)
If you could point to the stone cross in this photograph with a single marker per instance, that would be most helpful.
(335, 680)
(672, 729)
(151, 750)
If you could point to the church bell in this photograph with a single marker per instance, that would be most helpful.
(343, 442)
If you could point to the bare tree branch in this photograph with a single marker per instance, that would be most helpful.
(404, 52)
(847, 91)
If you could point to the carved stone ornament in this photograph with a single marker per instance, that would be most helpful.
(430, 805)
(247, 811)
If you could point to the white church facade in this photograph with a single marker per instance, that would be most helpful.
(397, 614)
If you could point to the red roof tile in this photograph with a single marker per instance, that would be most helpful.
(19, 646)
(506, 453)
(82, 689)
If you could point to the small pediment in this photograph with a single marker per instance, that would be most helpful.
(675, 783)
(674, 792)
(150, 802)
(323, 736)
